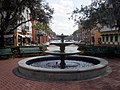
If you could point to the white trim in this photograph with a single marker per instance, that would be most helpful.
(28, 36)
(21, 35)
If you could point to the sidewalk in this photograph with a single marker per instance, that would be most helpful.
(9, 81)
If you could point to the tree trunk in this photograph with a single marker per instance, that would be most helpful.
(2, 39)
(2, 36)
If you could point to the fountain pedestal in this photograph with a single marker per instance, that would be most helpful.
(62, 63)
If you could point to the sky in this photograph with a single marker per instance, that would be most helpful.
(62, 9)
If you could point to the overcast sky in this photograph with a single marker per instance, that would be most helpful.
(60, 22)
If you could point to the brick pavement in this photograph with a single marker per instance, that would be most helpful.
(9, 81)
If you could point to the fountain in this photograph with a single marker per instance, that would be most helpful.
(62, 53)
(62, 65)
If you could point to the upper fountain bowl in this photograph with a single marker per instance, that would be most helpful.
(61, 44)
(62, 36)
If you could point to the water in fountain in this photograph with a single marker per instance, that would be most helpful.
(69, 64)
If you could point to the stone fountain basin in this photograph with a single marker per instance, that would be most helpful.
(25, 70)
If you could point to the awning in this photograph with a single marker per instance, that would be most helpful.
(21, 35)
(8, 36)
(28, 36)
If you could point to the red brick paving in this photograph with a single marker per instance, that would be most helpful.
(9, 81)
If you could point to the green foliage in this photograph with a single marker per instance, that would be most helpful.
(99, 11)
(39, 26)
(43, 13)
(78, 31)
(11, 13)
(41, 47)
(101, 51)
(43, 27)
(82, 48)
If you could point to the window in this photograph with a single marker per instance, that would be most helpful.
(116, 38)
(103, 38)
(111, 38)
(107, 38)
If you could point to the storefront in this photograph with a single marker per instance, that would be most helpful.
(23, 40)
(9, 40)
(112, 39)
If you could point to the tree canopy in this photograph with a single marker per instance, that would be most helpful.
(11, 12)
(103, 12)
(43, 27)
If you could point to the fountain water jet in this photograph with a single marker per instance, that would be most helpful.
(62, 65)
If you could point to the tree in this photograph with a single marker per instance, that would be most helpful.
(43, 27)
(77, 33)
(114, 10)
(11, 12)
(104, 12)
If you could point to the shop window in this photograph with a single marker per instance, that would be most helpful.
(111, 38)
(116, 38)
(103, 39)
(99, 40)
(107, 38)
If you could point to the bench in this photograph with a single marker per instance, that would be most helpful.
(6, 52)
(30, 50)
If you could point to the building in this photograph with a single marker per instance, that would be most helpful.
(23, 34)
(110, 36)
(95, 36)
